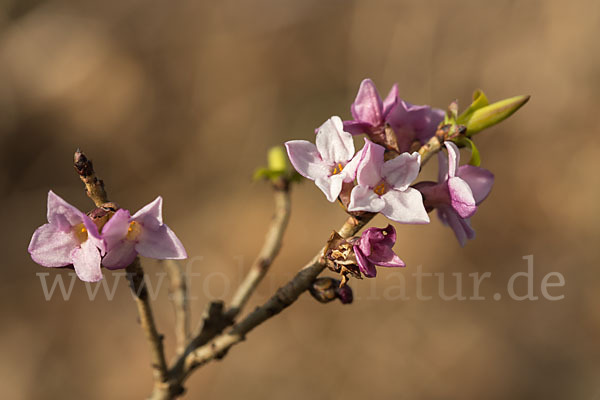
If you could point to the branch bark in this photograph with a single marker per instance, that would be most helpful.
(135, 274)
(218, 345)
(179, 298)
(211, 343)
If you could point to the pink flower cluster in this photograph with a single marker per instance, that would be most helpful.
(386, 187)
(72, 237)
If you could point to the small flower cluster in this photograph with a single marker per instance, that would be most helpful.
(379, 177)
(72, 237)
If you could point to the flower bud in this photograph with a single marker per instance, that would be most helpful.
(479, 117)
(277, 159)
(278, 167)
(328, 289)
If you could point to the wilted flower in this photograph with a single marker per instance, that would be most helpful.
(327, 289)
(69, 237)
(330, 163)
(375, 247)
(384, 186)
(407, 121)
(460, 189)
(143, 233)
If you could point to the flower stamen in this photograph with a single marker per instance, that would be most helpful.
(80, 232)
(337, 169)
(133, 231)
(380, 189)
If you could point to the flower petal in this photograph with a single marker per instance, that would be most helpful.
(368, 172)
(306, 159)
(401, 171)
(331, 186)
(479, 179)
(61, 213)
(349, 171)
(461, 227)
(442, 167)
(384, 256)
(120, 255)
(150, 215)
(51, 247)
(161, 244)
(93, 234)
(86, 260)
(115, 230)
(362, 198)
(334, 145)
(390, 101)
(367, 106)
(405, 206)
(357, 127)
(373, 236)
(461, 197)
(366, 267)
(453, 158)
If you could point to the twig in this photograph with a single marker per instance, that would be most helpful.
(179, 298)
(284, 297)
(135, 274)
(267, 254)
(216, 348)
(430, 148)
(94, 187)
(212, 344)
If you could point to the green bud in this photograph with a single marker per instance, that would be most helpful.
(277, 159)
(482, 117)
(277, 167)
(479, 101)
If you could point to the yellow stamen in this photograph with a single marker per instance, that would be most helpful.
(337, 169)
(133, 231)
(379, 189)
(80, 233)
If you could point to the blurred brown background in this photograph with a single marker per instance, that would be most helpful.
(183, 99)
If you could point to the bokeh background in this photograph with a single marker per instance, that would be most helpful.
(184, 98)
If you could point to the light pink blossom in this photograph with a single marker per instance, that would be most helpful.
(69, 237)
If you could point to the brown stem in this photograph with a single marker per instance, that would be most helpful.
(135, 274)
(220, 343)
(179, 298)
(212, 343)
(94, 187)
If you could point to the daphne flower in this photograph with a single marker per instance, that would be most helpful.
(69, 237)
(143, 233)
(330, 163)
(375, 247)
(384, 186)
(460, 189)
(370, 112)
(409, 122)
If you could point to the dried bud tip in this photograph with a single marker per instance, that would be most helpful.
(83, 166)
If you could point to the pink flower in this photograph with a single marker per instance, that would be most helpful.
(384, 186)
(69, 237)
(143, 233)
(331, 162)
(375, 247)
(460, 189)
(409, 122)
